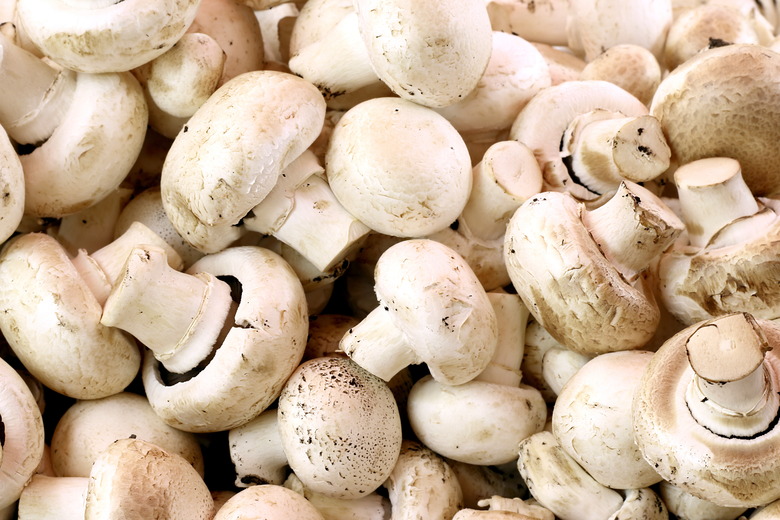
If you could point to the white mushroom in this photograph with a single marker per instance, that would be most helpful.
(54, 497)
(22, 439)
(438, 316)
(629, 66)
(542, 21)
(688, 507)
(267, 502)
(93, 228)
(370, 507)
(340, 427)
(11, 187)
(104, 35)
(256, 451)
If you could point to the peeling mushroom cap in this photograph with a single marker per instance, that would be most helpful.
(229, 155)
(51, 319)
(401, 168)
(104, 36)
(340, 427)
(267, 502)
(137, 479)
(89, 427)
(432, 53)
(738, 119)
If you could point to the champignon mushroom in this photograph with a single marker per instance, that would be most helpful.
(339, 426)
(93, 228)
(370, 507)
(720, 128)
(688, 507)
(440, 316)
(705, 411)
(104, 36)
(542, 21)
(401, 168)
(229, 155)
(256, 451)
(267, 502)
(22, 437)
(53, 497)
(11, 187)
(629, 66)
(262, 345)
(578, 270)
(729, 259)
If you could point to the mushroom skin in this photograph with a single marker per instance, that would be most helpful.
(260, 351)
(51, 319)
(11, 188)
(340, 427)
(229, 155)
(738, 119)
(723, 455)
(104, 36)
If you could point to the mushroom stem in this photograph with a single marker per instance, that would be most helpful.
(605, 149)
(507, 175)
(178, 316)
(730, 392)
(632, 228)
(512, 317)
(383, 349)
(257, 452)
(35, 95)
(712, 194)
(54, 497)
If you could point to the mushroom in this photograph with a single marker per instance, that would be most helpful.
(592, 420)
(559, 365)
(478, 482)
(22, 439)
(104, 36)
(89, 128)
(542, 21)
(543, 122)
(483, 420)
(579, 271)
(500, 508)
(339, 426)
(422, 485)
(11, 187)
(400, 168)
(92, 228)
(629, 66)
(231, 152)
(267, 502)
(370, 507)
(256, 451)
(88, 427)
(263, 343)
(442, 317)
(137, 479)
(743, 73)
(730, 256)
(688, 507)
(705, 411)
(53, 497)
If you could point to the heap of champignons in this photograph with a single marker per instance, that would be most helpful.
(362, 259)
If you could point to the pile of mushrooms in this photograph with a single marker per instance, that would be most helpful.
(386, 260)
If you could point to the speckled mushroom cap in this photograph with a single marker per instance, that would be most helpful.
(11, 188)
(340, 427)
(137, 479)
(104, 36)
(230, 153)
(267, 502)
(543, 121)
(432, 53)
(725, 102)
(51, 319)
(738, 470)
(401, 168)
(88, 427)
(260, 351)
(568, 285)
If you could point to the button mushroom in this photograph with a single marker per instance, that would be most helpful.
(267, 502)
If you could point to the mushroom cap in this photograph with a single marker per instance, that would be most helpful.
(104, 36)
(592, 420)
(738, 119)
(232, 150)
(11, 188)
(89, 427)
(259, 353)
(267, 502)
(400, 168)
(52, 321)
(432, 53)
(340, 427)
(476, 422)
(568, 285)
(91, 151)
(137, 479)
(729, 471)
(443, 312)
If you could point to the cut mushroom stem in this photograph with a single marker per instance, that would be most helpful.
(606, 147)
(35, 95)
(507, 175)
(632, 228)
(178, 316)
(712, 194)
(731, 387)
(302, 211)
